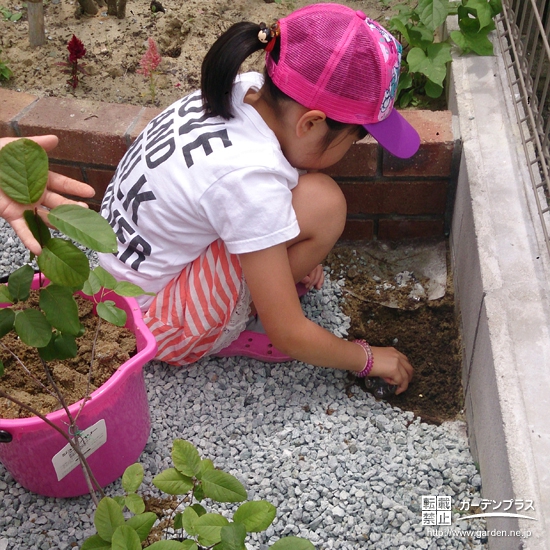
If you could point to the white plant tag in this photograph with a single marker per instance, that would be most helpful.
(66, 460)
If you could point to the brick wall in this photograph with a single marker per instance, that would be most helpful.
(388, 198)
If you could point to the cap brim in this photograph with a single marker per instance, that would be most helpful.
(396, 135)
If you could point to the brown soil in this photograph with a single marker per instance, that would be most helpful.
(427, 333)
(113, 347)
(115, 46)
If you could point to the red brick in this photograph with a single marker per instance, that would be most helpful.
(396, 197)
(434, 157)
(99, 179)
(358, 230)
(71, 171)
(88, 131)
(12, 104)
(360, 160)
(144, 117)
(395, 230)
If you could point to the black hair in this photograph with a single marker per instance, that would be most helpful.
(221, 66)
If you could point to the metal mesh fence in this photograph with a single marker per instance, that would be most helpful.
(523, 33)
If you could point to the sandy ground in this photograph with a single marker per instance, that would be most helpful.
(115, 46)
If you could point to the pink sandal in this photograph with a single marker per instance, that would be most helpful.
(255, 345)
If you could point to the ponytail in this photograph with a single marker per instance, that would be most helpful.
(222, 63)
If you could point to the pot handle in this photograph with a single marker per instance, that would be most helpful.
(5, 437)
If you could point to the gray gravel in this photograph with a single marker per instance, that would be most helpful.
(344, 470)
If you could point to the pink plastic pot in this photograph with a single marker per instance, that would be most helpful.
(121, 403)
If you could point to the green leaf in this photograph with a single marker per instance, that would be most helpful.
(186, 458)
(177, 521)
(142, 524)
(432, 89)
(222, 487)
(108, 311)
(189, 518)
(95, 542)
(125, 538)
(478, 42)
(124, 288)
(169, 545)
(496, 7)
(5, 296)
(23, 170)
(1, 368)
(189, 545)
(19, 282)
(432, 65)
(199, 509)
(38, 228)
(433, 12)
(482, 10)
(61, 346)
(106, 280)
(292, 543)
(7, 318)
(84, 226)
(64, 264)
(108, 517)
(120, 500)
(33, 328)
(132, 477)
(198, 493)
(209, 528)
(206, 464)
(256, 516)
(172, 482)
(59, 306)
(135, 503)
(233, 537)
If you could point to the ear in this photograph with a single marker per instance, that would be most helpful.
(310, 120)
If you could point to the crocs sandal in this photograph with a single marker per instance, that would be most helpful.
(255, 345)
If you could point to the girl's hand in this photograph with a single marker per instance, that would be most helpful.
(315, 279)
(392, 366)
(13, 212)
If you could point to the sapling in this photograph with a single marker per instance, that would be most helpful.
(53, 327)
(149, 64)
(190, 526)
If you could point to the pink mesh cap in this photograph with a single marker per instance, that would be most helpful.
(339, 61)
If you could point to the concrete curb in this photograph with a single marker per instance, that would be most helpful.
(501, 272)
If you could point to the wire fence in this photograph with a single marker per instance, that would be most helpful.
(523, 33)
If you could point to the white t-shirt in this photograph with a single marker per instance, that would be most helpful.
(190, 179)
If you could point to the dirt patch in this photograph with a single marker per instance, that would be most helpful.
(184, 32)
(114, 346)
(426, 331)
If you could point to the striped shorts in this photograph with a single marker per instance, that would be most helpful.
(202, 310)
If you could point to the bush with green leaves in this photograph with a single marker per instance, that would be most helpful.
(53, 327)
(424, 66)
(123, 524)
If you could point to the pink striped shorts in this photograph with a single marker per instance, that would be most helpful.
(202, 310)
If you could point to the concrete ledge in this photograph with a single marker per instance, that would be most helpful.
(502, 273)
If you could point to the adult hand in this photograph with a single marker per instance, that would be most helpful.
(13, 212)
(392, 366)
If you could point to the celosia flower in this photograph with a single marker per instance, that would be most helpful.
(150, 60)
(76, 49)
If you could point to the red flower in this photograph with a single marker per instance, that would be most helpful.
(76, 49)
(150, 60)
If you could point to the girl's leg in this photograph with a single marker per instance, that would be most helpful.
(321, 209)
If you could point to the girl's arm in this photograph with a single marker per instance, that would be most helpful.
(269, 278)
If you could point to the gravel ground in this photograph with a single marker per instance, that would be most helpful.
(344, 470)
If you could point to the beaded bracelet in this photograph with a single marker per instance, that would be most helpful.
(370, 360)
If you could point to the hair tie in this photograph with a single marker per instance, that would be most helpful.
(268, 35)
